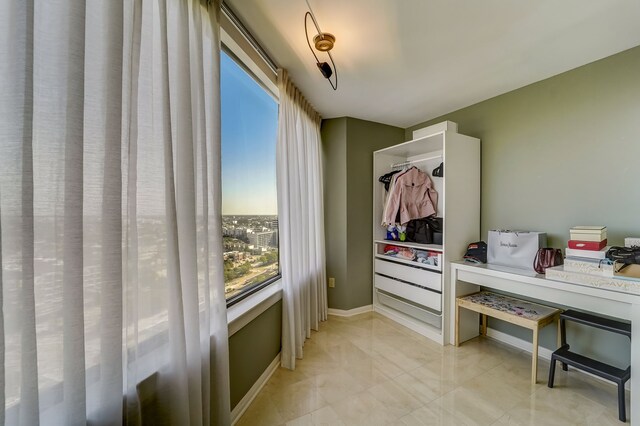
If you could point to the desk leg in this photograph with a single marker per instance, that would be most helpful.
(559, 337)
(534, 357)
(457, 326)
(635, 365)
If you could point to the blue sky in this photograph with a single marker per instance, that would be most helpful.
(249, 127)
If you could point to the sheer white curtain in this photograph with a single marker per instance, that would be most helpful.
(301, 219)
(113, 306)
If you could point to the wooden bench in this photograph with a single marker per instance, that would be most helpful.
(512, 310)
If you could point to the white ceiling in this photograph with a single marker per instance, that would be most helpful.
(402, 62)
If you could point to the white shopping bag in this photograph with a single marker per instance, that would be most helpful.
(514, 248)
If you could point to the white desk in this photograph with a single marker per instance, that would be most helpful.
(466, 279)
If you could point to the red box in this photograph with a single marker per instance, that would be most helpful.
(587, 245)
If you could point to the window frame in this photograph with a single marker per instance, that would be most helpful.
(232, 48)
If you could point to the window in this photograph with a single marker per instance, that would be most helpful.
(249, 200)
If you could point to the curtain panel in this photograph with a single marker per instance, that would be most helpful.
(112, 291)
(301, 219)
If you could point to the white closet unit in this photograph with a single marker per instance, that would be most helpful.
(415, 294)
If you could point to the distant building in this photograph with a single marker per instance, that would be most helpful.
(234, 231)
(273, 224)
(261, 239)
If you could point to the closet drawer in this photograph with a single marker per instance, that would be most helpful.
(421, 296)
(417, 312)
(422, 277)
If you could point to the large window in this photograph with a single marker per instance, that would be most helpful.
(249, 201)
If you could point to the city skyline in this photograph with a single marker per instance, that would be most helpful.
(249, 126)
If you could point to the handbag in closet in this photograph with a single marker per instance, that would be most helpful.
(427, 230)
(418, 231)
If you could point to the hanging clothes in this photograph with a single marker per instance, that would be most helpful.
(386, 179)
(412, 197)
(387, 195)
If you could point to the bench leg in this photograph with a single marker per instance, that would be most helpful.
(484, 325)
(552, 372)
(534, 356)
(562, 331)
(622, 413)
(457, 331)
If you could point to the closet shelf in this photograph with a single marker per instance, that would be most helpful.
(407, 291)
(409, 262)
(432, 247)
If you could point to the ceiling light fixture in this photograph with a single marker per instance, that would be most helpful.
(323, 42)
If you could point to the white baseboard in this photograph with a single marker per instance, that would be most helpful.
(542, 352)
(350, 312)
(244, 403)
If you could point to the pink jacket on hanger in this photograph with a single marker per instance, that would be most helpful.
(413, 195)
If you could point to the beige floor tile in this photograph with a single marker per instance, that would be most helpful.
(518, 378)
(283, 377)
(607, 418)
(440, 383)
(373, 370)
(297, 399)
(430, 416)
(347, 354)
(481, 353)
(470, 407)
(599, 391)
(301, 421)
(261, 412)
(325, 416)
(366, 410)
(394, 398)
(449, 371)
(316, 361)
(555, 407)
(407, 361)
(496, 392)
(325, 340)
(372, 345)
(337, 385)
(423, 391)
(369, 370)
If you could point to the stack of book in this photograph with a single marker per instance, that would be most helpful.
(587, 242)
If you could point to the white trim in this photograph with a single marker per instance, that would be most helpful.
(350, 312)
(543, 352)
(263, 78)
(246, 401)
(245, 311)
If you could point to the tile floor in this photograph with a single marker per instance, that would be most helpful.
(368, 370)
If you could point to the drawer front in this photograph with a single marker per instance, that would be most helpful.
(416, 312)
(418, 295)
(422, 277)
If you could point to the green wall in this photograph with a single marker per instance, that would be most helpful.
(334, 157)
(561, 152)
(348, 146)
(252, 349)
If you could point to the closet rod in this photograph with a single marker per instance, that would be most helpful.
(420, 160)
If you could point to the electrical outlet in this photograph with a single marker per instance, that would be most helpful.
(332, 282)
